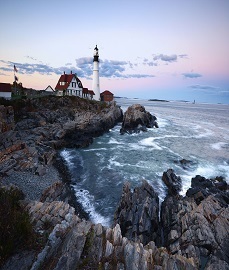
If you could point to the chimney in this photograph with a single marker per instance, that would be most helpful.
(64, 72)
(71, 72)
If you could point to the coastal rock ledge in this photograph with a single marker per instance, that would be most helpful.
(192, 232)
(137, 119)
(31, 131)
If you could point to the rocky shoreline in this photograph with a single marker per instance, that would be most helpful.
(191, 232)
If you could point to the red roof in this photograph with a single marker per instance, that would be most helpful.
(85, 90)
(5, 87)
(91, 92)
(66, 78)
(106, 92)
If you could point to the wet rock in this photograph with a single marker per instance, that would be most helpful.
(172, 181)
(137, 119)
(185, 163)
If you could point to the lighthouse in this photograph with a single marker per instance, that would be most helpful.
(95, 83)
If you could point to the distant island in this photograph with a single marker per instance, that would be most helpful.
(161, 100)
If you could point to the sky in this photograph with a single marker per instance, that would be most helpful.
(162, 49)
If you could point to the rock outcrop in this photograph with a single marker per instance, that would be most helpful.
(44, 125)
(69, 243)
(194, 233)
(197, 225)
(137, 119)
(138, 214)
(172, 182)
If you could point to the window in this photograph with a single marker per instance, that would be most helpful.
(74, 84)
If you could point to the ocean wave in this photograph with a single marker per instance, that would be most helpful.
(207, 171)
(87, 201)
(67, 156)
(162, 122)
(150, 142)
(218, 145)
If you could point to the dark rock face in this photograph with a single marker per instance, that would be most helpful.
(197, 226)
(47, 124)
(202, 188)
(138, 213)
(137, 119)
(184, 163)
(172, 182)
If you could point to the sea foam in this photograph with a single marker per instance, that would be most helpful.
(87, 201)
(218, 145)
(150, 142)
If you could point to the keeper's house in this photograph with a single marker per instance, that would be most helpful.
(5, 90)
(69, 85)
(106, 96)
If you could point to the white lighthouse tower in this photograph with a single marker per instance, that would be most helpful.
(95, 83)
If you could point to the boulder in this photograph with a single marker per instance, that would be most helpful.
(137, 119)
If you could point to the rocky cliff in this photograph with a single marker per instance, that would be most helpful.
(68, 242)
(190, 232)
(32, 130)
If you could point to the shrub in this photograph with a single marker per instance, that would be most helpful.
(15, 226)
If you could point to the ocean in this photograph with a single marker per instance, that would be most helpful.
(198, 133)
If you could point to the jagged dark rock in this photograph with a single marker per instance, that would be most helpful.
(195, 236)
(68, 243)
(172, 182)
(137, 119)
(184, 163)
(138, 213)
(202, 188)
(196, 226)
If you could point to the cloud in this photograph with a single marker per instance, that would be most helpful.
(151, 64)
(191, 75)
(166, 58)
(206, 89)
(183, 56)
(80, 62)
(83, 68)
(31, 58)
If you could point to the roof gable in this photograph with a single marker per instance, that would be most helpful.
(65, 80)
(49, 89)
(85, 90)
(5, 87)
(106, 92)
(91, 92)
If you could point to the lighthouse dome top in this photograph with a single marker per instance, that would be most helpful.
(96, 51)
